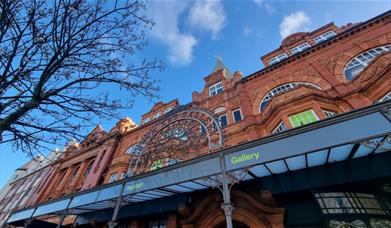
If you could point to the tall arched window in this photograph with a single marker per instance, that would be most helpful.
(359, 62)
(280, 89)
(89, 167)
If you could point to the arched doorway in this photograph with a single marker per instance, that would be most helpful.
(241, 218)
(247, 213)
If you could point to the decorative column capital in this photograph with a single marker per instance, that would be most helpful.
(228, 208)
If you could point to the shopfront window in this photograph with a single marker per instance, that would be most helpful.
(352, 203)
(303, 118)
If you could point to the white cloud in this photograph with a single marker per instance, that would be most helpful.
(181, 49)
(166, 15)
(295, 22)
(208, 15)
(259, 2)
(247, 31)
(265, 5)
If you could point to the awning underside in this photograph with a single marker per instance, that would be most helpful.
(343, 139)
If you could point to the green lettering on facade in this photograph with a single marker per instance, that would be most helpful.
(135, 187)
(245, 157)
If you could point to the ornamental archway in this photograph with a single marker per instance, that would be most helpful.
(180, 135)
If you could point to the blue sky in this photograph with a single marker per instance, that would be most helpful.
(189, 34)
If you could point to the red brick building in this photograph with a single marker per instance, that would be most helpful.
(311, 77)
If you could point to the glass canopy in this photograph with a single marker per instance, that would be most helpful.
(348, 136)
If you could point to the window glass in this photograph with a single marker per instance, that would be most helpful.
(359, 62)
(89, 167)
(278, 58)
(132, 149)
(237, 115)
(280, 128)
(21, 215)
(202, 129)
(328, 114)
(84, 199)
(387, 97)
(160, 163)
(113, 177)
(157, 164)
(273, 61)
(169, 109)
(223, 120)
(52, 207)
(109, 193)
(325, 36)
(215, 89)
(303, 118)
(157, 115)
(74, 173)
(280, 89)
(300, 48)
(61, 179)
(352, 203)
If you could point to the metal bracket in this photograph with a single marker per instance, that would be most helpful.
(376, 145)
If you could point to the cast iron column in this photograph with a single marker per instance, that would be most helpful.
(227, 205)
(113, 223)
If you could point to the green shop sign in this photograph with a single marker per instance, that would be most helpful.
(245, 157)
(135, 187)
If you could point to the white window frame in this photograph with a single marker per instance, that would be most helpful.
(386, 97)
(226, 117)
(281, 89)
(167, 110)
(157, 115)
(273, 61)
(132, 147)
(300, 48)
(233, 115)
(146, 120)
(329, 114)
(363, 59)
(277, 58)
(280, 128)
(324, 36)
(214, 89)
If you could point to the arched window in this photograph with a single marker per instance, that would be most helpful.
(386, 97)
(359, 62)
(74, 174)
(132, 149)
(89, 167)
(280, 89)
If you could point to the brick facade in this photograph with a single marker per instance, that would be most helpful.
(323, 88)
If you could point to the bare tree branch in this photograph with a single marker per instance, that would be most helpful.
(58, 58)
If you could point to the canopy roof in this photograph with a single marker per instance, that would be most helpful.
(348, 136)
